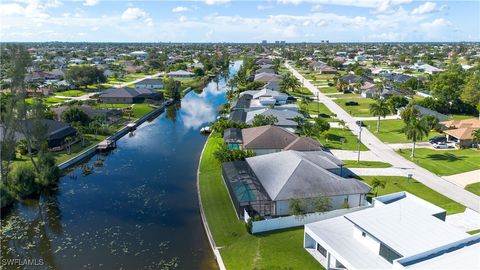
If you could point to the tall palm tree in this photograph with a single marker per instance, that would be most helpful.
(416, 130)
(380, 109)
(476, 137)
(376, 183)
(68, 142)
(357, 86)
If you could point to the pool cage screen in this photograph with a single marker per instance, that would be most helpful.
(246, 191)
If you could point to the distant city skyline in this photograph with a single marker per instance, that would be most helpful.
(240, 21)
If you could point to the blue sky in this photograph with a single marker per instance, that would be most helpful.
(239, 21)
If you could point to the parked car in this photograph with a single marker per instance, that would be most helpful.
(438, 139)
(351, 103)
(324, 115)
(330, 84)
(442, 145)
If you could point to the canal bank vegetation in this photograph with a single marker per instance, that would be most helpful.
(239, 249)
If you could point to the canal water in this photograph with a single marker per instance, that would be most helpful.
(138, 211)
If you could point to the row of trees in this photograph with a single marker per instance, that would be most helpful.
(20, 179)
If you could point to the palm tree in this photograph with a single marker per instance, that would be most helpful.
(357, 86)
(341, 86)
(416, 130)
(380, 109)
(94, 125)
(376, 183)
(68, 142)
(476, 137)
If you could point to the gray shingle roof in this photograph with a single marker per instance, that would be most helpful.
(267, 137)
(292, 174)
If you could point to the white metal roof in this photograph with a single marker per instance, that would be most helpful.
(406, 227)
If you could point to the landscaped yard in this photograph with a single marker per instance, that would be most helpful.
(365, 164)
(474, 188)
(316, 107)
(240, 250)
(140, 110)
(445, 162)
(343, 139)
(391, 131)
(362, 109)
(398, 183)
(300, 92)
(71, 93)
(329, 89)
(90, 140)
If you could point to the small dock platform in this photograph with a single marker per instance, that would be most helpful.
(106, 145)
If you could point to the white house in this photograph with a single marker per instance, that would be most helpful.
(400, 231)
(139, 54)
(180, 74)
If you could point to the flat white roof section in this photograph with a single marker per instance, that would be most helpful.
(335, 234)
(464, 254)
(406, 227)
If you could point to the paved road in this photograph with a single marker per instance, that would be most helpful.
(387, 154)
(352, 155)
(380, 171)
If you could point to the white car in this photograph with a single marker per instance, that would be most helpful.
(442, 146)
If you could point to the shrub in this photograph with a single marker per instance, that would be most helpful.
(250, 221)
(22, 181)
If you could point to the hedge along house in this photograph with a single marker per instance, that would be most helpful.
(265, 185)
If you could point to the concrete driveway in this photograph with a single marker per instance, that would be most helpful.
(352, 155)
(463, 179)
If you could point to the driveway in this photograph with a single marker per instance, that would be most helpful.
(396, 146)
(463, 179)
(352, 155)
(380, 171)
(389, 155)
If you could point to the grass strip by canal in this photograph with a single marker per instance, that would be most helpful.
(240, 250)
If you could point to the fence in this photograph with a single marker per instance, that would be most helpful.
(296, 221)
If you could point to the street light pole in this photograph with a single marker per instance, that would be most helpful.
(359, 123)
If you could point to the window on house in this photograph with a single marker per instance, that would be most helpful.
(322, 250)
(388, 253)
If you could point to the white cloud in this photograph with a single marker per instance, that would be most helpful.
(180, 9)
(132, 13)
(53, 3)
(216, 2)
(294, 2)
(316, 8)
(440, 22)
(90, 2)
(426, 8)
(32, 10)
(263, 7)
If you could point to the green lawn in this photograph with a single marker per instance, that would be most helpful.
(474, 188)
(112, 106)
(316, 108)
(301, 92)
(71, 93)
(365, 164)
(391, 131)
(474, 232)
(240, 250)
(140, 110)
(362, 109)
(334, 140)
(330, 89)
(399, 183)
(445, 162)
(90, 140)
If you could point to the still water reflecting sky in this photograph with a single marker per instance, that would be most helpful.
(138, 211)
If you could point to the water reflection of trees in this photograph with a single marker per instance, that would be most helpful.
(171, 111)
(29, 236)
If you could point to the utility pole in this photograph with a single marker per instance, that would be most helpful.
(318, 103)
(359, 123)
